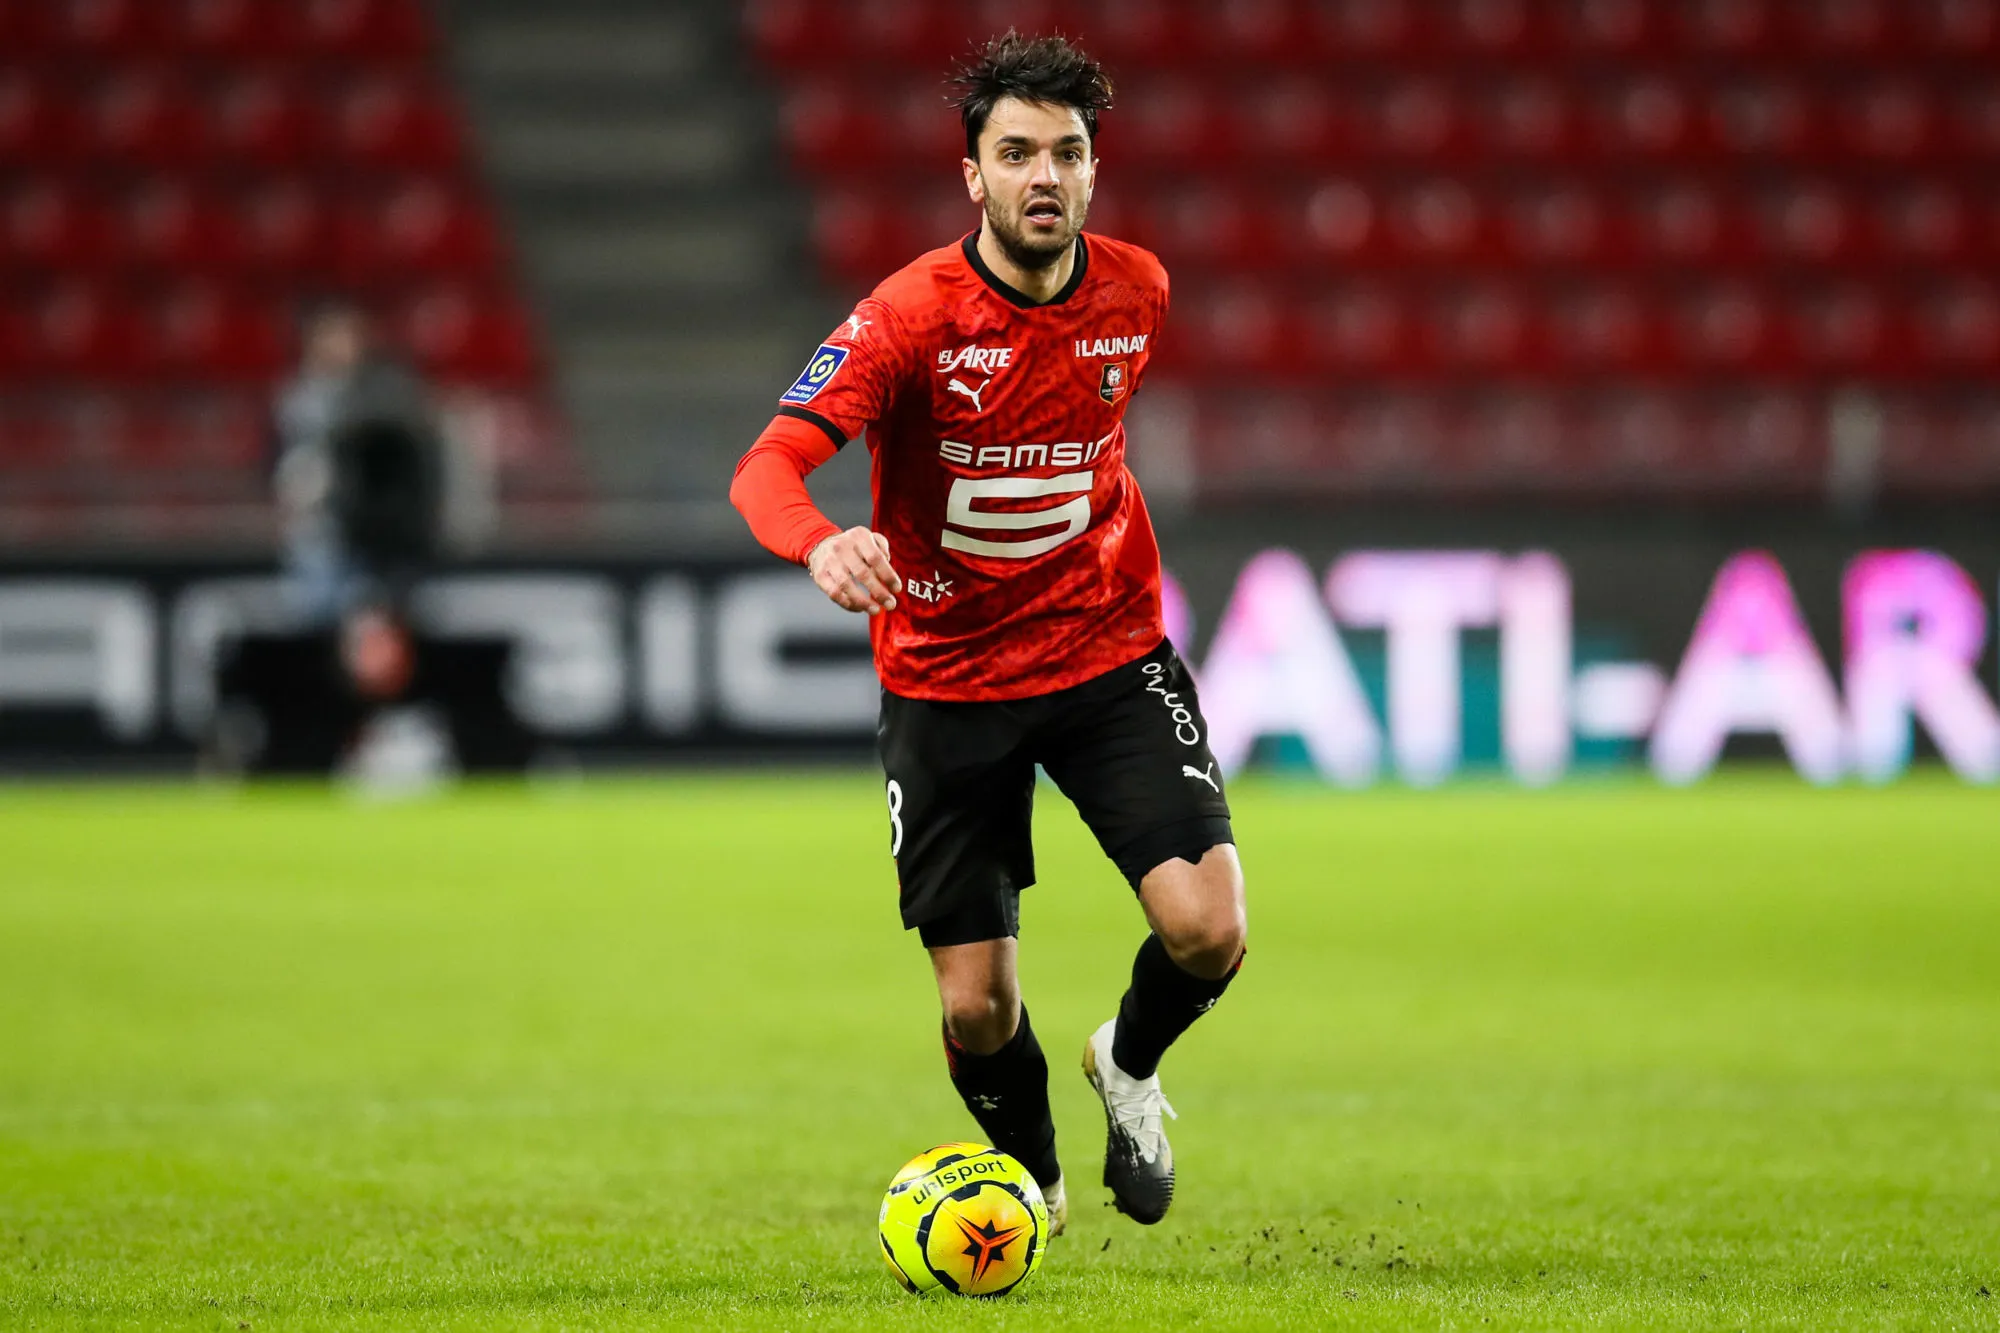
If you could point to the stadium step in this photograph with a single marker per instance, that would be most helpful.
(652, 221)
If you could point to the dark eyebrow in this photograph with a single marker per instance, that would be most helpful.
(1023, 141)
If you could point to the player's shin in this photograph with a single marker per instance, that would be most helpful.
(1007, 1092)
(1162, 1002)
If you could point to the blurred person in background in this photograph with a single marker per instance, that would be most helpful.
(358, 473)
(334, 338)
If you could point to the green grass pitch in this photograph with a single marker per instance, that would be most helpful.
(644, 1054)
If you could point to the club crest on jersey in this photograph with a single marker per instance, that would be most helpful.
(1113, 380)
(814, 377)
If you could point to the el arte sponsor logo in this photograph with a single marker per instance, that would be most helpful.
(978, 360)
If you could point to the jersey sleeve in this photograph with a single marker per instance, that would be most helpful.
(769, 489)
(854, 376)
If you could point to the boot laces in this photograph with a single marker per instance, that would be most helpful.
(1137, 1108)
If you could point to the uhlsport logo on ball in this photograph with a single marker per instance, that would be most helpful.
(965, 1218)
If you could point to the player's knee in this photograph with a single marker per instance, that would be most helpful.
(981, 1018)
(1209, 942)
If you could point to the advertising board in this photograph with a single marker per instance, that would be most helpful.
(1411, 665)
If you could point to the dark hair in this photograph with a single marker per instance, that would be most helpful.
(1035, 69)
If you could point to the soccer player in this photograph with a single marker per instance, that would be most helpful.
(1013, 586)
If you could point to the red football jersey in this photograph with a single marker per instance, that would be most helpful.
(996, 433)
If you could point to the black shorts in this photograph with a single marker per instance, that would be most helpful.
(1129, 747)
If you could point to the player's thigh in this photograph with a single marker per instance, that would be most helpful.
(960, 791)
(1131, 750)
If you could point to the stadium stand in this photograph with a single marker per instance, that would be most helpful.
(1592, 247)
(176, 178)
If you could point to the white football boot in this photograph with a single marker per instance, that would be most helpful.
(1138, 1161)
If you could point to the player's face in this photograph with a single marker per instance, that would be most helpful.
(1034, 176)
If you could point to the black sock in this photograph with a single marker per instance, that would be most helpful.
(1163, 1001)
(1008, 1094)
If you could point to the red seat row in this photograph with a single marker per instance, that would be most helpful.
(1437, 224)
(1371, 330)
(202, 333)
(835, 125)
(282, 229)
(214, 29)
(1135, 34)
(84, 436)
(103, 433)
(1747, 438)
(152, 116)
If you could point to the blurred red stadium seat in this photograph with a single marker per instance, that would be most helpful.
(425, 227)
(1562, 223)
(86, 331)
(1372, 30)
(1960, 29)
(287, 231)
(210, 333)
(1358, 329)
(39, 124)
(53, 223)
(1291, 119)
(146, 118)
(1894, 121)
(1847, 330)
(1621, 28)
(101, 28)
(1529, 117)
(372, 31)
(830, 122)
(392, 123)
(1927, 222)
(173, 226)
(462, 335)
(1958, 330)
(1605, 329)
(238, 30)
(268, 117)
(1735, 29)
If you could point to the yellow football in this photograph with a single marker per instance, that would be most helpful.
(966, 1218)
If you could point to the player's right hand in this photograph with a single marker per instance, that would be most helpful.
(852, 568)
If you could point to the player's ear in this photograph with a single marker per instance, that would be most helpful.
(974, 184)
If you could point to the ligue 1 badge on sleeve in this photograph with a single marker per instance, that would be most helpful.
(817, 372)
(1112, 381)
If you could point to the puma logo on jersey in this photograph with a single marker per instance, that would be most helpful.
(960, 387)
(1206, 775)
(1112, 346)
(978, 360)
(855, 324)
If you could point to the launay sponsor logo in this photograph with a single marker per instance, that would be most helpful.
(1131, 346)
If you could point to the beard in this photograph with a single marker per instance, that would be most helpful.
(1033, 253)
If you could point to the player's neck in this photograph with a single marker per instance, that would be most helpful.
(1039, 285)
